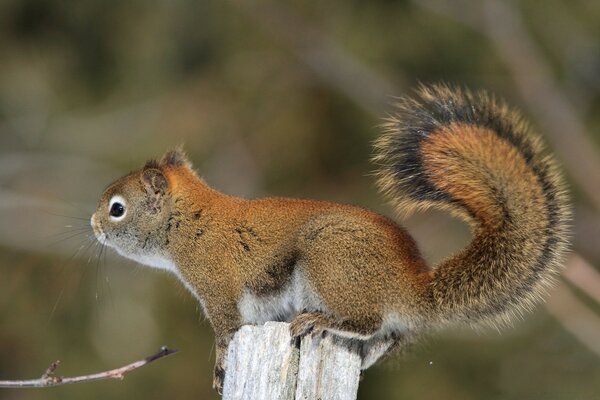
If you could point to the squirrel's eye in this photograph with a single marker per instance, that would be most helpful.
(117, 210)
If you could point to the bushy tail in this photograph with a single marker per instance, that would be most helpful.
(470, 154)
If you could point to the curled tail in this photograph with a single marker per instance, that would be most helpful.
(470, 154)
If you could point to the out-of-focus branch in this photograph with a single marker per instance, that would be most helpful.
(586, 231)
(334, 66)
(585, 277)
(575, 317)
(49, 379)
(546, 101)
(574, 45)
(571, 312)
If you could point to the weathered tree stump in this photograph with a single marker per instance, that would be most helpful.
(263, 363)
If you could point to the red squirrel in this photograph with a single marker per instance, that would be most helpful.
(327, 267)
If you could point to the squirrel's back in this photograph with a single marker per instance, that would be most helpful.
(470, 154)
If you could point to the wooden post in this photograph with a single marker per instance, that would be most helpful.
(262, 363)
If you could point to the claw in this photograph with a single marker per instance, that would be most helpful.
(219, 379)
(304, 324)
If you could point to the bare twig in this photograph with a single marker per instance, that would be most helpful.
(49, 379)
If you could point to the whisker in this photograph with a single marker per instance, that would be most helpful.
(87, 249)
(95, 245)
(71, 235)
(69, 279)
(98, 255)
(81, 243)
(110, 295)
(72, 230)
(68, 216)
(74, 205)
(78, 225)
(58, 299)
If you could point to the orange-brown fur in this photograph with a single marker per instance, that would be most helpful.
(343, 269)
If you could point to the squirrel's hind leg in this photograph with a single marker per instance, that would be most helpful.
(374, 346)
(316, 323)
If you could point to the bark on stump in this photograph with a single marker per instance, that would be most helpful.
(263, 363)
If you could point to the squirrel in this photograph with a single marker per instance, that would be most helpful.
(328, 267)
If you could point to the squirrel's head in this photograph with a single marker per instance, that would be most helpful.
(134, 210)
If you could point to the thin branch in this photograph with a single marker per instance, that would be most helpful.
(48, 378)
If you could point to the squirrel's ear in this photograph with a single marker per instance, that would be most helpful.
(176, 158)
(154, 181)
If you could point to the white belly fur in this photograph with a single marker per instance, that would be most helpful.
(295, 297)
(160, 262)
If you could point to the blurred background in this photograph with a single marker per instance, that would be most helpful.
(270, 98)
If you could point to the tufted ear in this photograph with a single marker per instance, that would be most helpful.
(154, 181)
(156, 186)
(175, 158)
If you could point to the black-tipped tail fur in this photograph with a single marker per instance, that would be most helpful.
(470, 154)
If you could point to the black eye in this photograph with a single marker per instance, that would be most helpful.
(117, 210)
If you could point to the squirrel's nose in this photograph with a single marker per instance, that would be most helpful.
(100, 235)
(95, 227)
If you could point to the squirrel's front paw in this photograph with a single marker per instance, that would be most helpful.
(219, 378)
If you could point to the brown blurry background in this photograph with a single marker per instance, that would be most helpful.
(273, 98)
